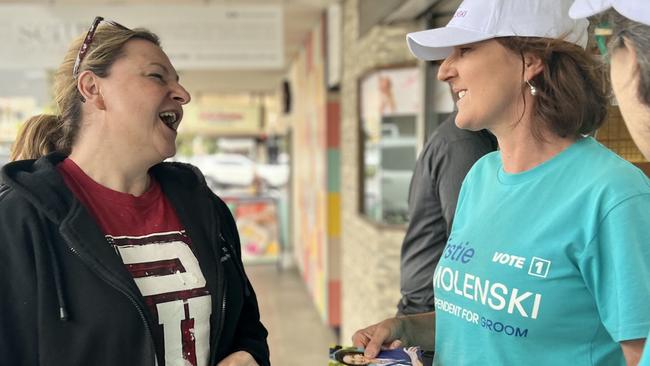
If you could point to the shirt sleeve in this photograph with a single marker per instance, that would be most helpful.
(454, 161)
(616, 269)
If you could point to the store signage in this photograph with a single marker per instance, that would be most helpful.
(221, 119)
(195, 37)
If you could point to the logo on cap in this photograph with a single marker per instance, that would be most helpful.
(460, 14)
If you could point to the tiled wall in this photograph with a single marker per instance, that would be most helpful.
(614, 134)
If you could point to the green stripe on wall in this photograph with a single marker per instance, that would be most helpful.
(333, 170)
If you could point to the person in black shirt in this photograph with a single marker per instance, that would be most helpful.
(439, 172)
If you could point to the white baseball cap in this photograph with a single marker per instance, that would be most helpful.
(478, 20)
(637, 10)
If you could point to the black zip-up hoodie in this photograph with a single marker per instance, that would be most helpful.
(67, 299)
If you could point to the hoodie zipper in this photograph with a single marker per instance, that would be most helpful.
(223, 310)
(222, 289)
(126, 293)
(240, 269)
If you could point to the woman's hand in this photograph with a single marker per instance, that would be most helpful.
(239, 358)
(386, 334)
(418, 329)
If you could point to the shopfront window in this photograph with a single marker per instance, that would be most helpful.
(390, 103)
(24, 93)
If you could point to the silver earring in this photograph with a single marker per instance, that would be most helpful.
(533, 90)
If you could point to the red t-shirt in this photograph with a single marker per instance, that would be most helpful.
(147, 235)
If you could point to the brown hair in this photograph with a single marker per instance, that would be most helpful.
(105, 48)
(571, 97)
(37, 137)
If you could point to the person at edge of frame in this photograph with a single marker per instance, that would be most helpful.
(445, 159)
(629, 57)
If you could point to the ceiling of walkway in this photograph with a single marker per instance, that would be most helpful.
(300, 16)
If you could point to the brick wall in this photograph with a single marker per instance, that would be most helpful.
(370, 264)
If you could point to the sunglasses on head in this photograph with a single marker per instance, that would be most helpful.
(88, 40)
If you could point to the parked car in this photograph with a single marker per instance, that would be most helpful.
(273, 175)
(397, 158)
(226, 169)
(4, 158)
(223, 169)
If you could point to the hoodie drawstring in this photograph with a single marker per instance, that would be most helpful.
(56, 269)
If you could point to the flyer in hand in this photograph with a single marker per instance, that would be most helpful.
(407, 356)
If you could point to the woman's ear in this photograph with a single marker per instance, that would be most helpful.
(88, 85)
(624, 68)
(533, 66)
(631, 50)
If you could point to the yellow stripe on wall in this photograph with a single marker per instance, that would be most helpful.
(334, 215)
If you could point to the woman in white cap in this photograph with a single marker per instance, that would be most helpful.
(629, 51)
(549, 255)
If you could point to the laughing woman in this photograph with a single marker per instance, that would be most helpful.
(107, 255)
(549, 255)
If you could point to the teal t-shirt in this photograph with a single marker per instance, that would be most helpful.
(546, 267)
